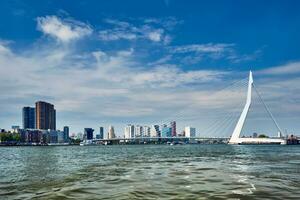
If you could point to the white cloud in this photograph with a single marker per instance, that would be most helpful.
(4, 49)
(107, 35)
(156, 35)
(194, 53)
(171, 76)
(63, 30)
(202, 48)
(121, 30)
(79, 84)
(114, 86)
(290, 68)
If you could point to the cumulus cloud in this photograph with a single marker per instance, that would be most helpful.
(63, 30)
(108, 81)
(156, 35)
(114, 86)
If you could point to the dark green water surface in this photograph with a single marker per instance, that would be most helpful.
(150, 172)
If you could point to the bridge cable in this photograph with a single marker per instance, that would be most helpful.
(267, 109)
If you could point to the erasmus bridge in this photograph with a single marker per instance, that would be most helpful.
(235, 137)
(238, 124)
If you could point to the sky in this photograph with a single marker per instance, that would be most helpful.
(114, 62)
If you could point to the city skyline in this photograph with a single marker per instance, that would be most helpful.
(116, 65)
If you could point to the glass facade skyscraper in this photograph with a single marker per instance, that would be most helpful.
(166, 132)
(101, 133)
(28, 117)
(66, 133)
(88, 132)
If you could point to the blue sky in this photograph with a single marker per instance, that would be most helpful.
(118, 62)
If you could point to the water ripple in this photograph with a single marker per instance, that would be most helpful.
(150, 172)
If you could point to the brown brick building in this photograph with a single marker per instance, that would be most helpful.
(45, 115)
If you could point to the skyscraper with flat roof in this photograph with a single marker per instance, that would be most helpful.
(173, 127)
(155, 132)
(88, 132)
(129, 131)
(45, 115)
(28, 117)
(146, 131)
(166, 132)
(190, 132)
(138, 131)
(101, 132)
(111, 132)
(66, 133)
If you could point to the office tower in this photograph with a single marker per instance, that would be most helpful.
(88, 132)
(173, 127)
(66, 133)
(131, 131)
(190, 132)
(45, 115)
(28, 117)
(155, 131)
(111, 132)
(101, 132)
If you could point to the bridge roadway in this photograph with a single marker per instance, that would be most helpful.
(138, 139)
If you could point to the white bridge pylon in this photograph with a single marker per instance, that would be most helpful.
(235, 137)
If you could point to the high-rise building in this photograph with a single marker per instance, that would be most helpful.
(66, 133)
(28, 117)
(190, 132)
(88, 132)
(111, 132)
(101, 132)
(173, 127)
(166, 132)
(146, 131)
(138, 131)
(129, 131)
(155, 131)
(45, 116)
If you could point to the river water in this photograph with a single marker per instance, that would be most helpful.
(150, 172)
